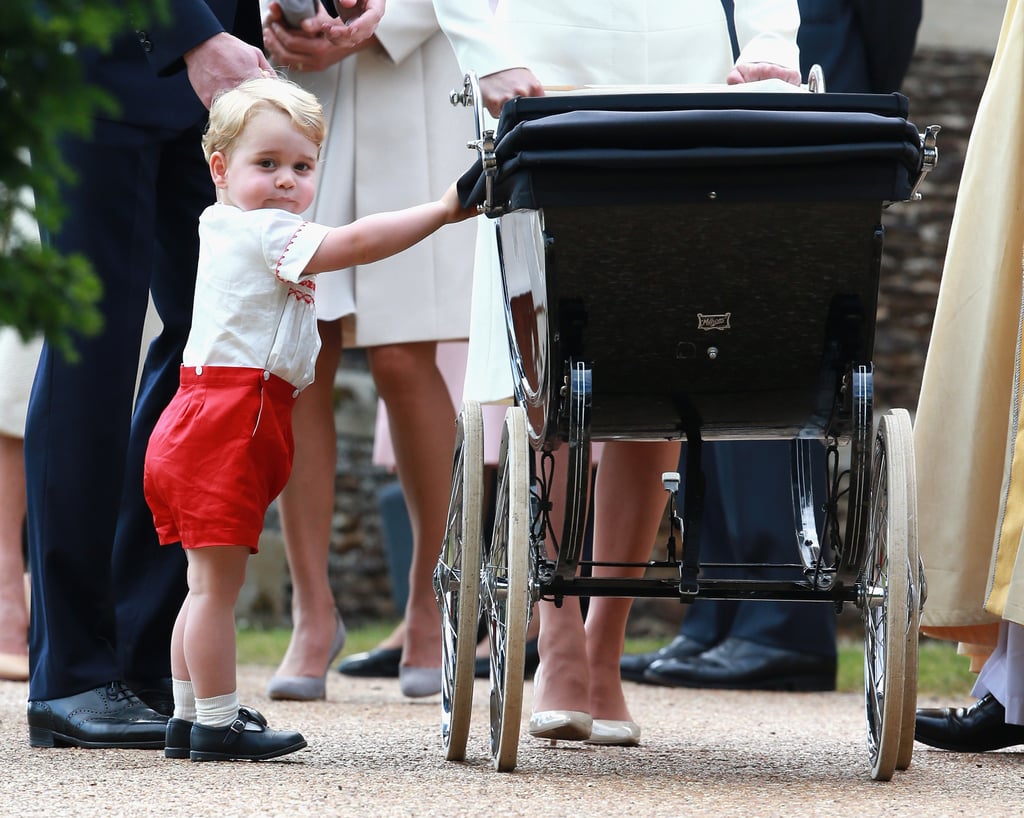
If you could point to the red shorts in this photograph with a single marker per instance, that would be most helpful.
(219, 455)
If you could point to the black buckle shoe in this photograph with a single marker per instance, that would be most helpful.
(179, 738)
(111, 716)
(976, 729)
(247, 738)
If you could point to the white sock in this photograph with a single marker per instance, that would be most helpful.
(184, 699)
(217, 711)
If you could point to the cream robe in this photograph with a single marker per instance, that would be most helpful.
(967, 438)
(394, 140)
(594, 42)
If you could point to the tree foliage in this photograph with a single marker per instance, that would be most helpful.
(43, 96)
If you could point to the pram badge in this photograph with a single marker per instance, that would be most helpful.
(714, 322)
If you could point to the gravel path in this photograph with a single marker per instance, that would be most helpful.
(373, 753)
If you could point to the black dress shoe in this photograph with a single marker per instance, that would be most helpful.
(975, 729)
(380, 663)
(179, 738)
(633, 665)
(108, 716)
(155, 693)
(482, 669)
(247, 738)
(739, 664)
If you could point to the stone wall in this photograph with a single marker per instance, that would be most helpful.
(944, 88)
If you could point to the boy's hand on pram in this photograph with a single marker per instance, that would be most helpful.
(498, 88)
(454, 211)
(755, 71)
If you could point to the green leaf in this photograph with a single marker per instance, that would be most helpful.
(43, 97)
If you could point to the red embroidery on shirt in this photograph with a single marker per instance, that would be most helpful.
(301, 296)
(309, 283)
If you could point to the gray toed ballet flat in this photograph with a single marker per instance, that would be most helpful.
(308, 688)
(417, 682)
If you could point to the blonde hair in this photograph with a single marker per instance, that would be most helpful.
(232, 110)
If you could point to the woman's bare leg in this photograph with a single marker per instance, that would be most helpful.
(581, 663)
(563, 681)
(629, 503)
(307, 510)
(395, 639)
(422, 421)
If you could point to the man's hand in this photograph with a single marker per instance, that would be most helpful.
(307, 48)
(498, 88)
(221, 63)
(754, 71)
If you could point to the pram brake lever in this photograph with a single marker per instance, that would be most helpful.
(929, 158)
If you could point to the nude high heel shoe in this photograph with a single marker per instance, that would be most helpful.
(611, 732)
(559, 725)
(14, 667)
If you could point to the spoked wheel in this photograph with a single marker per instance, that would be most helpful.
(505, 589)
(886, 593)
(457, 581)
(903, 428)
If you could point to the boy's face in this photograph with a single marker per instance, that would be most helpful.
(271, 165)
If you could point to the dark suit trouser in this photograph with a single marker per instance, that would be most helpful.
(749, 518)
(104, 594)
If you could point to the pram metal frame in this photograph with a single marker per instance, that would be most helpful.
(873, 563)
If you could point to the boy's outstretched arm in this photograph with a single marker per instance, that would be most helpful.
(380, 235)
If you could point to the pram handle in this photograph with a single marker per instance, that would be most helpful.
(490, 175)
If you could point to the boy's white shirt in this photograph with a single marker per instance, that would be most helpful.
(254, 305)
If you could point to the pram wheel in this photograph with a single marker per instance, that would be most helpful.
(910, 674)
(457, 581)
(915, 600)
(889, 605)
(505, 592)
(906, 751)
